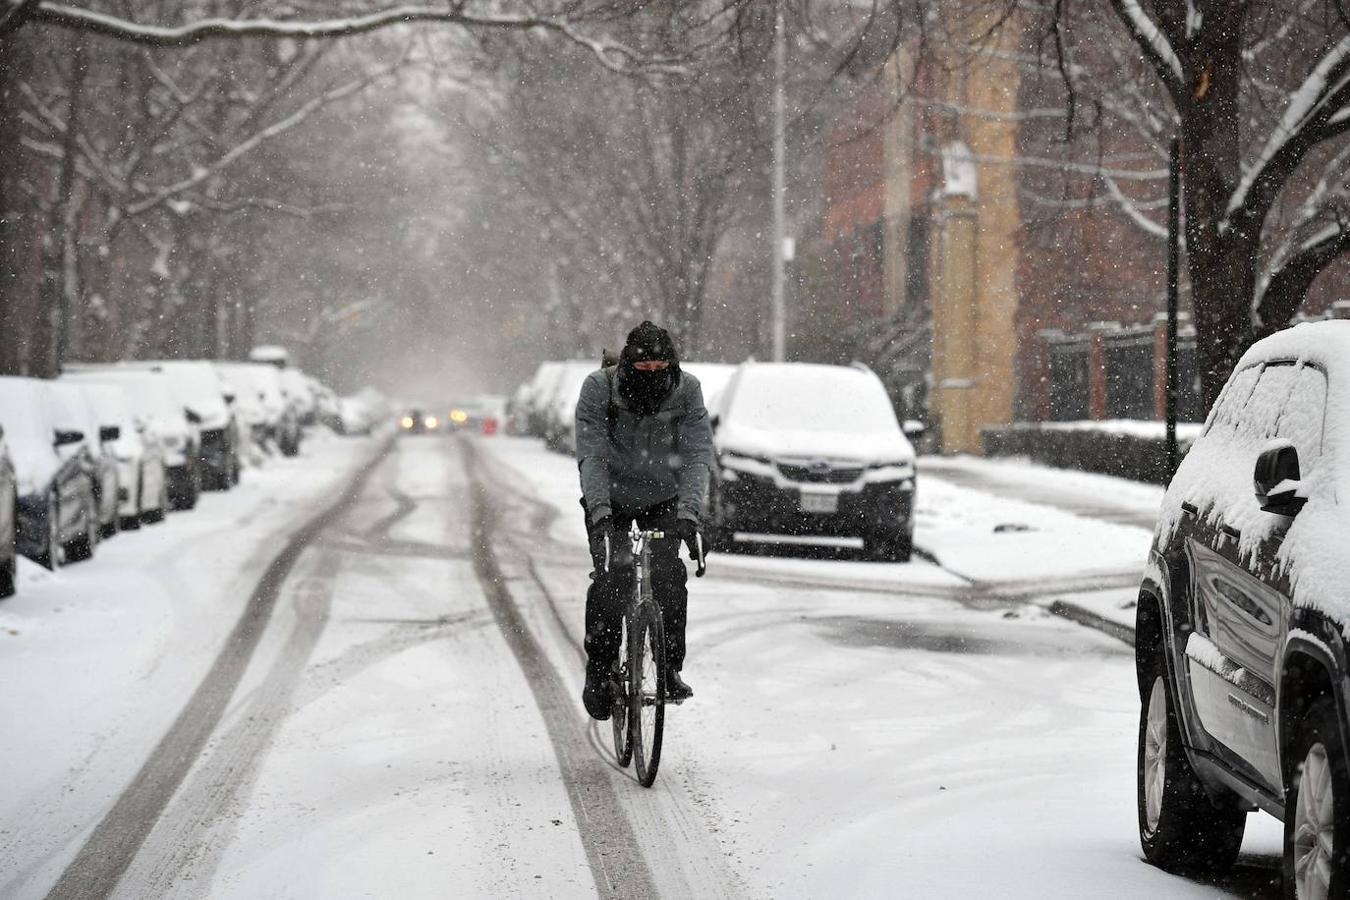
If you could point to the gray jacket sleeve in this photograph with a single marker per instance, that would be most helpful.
(694, 447)
(592, 431)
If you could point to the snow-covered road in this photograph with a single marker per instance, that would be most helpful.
(408, 723)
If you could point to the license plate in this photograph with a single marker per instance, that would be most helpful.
(819, 502)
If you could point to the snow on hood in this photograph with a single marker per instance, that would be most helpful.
(773, 444)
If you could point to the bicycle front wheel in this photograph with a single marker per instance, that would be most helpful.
(647, 691)
(618, 716)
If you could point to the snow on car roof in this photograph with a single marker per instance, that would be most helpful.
(1257, 406)
(811, 397)
(1326, 343)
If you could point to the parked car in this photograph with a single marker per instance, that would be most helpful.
(535, 396)
(281, 427)
(806, 449)
(712, 377)
(9, 522)
(295, 385)
(75, 412)
(153, 401)
(1241, 634)
(560, 406)
(198, 389)
(138, 450)
(57, 518)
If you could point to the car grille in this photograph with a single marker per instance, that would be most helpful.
(819, 474)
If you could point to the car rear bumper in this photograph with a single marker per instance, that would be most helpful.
(752, 503)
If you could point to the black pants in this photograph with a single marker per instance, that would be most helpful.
(609, 593)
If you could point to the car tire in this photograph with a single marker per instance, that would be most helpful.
(1317, 803)
(9, 568)
(1180, 829)
(81, 548)
(8, 576)
(152, 516)
(50, 557)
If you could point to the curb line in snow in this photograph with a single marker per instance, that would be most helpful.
(1090, 619)
(114, 842)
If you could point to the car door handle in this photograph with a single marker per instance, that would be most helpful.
(1190, 509)
(1231, 532)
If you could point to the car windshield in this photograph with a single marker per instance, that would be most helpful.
(812, 398)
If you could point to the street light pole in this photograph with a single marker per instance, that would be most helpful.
(1173, 276)
(779, 216)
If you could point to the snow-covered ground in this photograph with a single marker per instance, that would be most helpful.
(97, 658)
(409, 724)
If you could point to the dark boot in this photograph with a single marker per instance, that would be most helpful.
(676, 690)
(596, 696)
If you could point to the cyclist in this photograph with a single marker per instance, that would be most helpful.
(644, 450)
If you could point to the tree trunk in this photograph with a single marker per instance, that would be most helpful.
(1222, 263)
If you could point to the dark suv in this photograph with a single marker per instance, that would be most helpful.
(1242, 622)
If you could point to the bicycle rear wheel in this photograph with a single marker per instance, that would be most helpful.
(647, 690)
(618, 716)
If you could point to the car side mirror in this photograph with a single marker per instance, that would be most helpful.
(65, 438)
(914, 429)
(193, 417)
(715, 421)
(1278, 480)
(109, 433)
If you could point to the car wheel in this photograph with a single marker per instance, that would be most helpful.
(1317, 798)
(9, 567)
(82, 547)
(151, 516)
(50, 557)
(1179, 828)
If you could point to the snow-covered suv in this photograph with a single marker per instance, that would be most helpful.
(1241, 647)
(809, 449)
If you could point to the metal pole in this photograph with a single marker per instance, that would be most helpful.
(779, 216)
(1173, 265)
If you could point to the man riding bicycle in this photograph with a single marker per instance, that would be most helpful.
(644, 450)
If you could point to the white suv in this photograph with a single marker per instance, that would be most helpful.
(807, 449)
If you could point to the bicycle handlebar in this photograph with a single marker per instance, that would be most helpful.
(700, 556)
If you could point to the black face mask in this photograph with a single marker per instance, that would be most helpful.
(644, 391)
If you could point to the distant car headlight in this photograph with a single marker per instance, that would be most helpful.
(459, 416)
(432, 422)
(407, 422)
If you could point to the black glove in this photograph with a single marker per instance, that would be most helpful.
(601, 535)
(688, 532)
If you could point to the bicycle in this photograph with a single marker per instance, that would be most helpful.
(638, 678)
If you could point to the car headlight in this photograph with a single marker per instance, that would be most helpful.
(407, 422)
(432, 422)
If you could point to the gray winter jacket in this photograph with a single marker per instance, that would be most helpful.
(647, 459)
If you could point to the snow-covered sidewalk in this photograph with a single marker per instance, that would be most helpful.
(98, 658)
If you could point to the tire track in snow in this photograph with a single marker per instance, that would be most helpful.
(611, 845)
(116, 839)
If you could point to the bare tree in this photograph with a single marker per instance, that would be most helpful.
(1259, 95)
